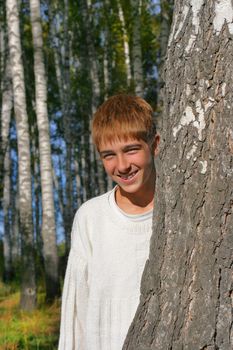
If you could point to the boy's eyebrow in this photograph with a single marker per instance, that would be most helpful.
(105, 152)
(132, 145)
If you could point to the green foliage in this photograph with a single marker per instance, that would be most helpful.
(21, 330)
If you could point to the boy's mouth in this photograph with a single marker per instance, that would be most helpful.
(128, 176)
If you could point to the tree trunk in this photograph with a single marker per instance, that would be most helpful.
(108, 51)
(67, 123)
(15, 232)
(125, 43)
(7, 104)
(78, 183)
(136, 48)
(28, 289)
(186, 292)
(48, 216)
(8, 271)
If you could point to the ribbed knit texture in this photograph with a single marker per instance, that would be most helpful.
(102, 283)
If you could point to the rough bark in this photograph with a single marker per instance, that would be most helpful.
(186, 292)
(48, 213)
(28, 287)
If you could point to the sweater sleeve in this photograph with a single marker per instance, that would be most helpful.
(75, 293)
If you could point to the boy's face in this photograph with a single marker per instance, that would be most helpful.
(130, 163)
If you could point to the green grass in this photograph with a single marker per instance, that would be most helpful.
(37, 330)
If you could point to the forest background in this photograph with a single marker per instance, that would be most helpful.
(58, 61)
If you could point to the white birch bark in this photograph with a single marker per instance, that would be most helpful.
(7, 105)
(125, 43)
(28, 291)
(107, 69)
(48, 216)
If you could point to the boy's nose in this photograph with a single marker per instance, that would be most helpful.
(123, 165)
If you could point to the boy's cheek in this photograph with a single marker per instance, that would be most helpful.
(107, 169)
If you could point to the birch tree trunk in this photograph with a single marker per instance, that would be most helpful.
(136, 48)
(28, 290)
(48, 216)
(125, 43)
(186, 292)
(7, 105)
(68, 209)
(108, 51)
(3, 71)
(15, 232)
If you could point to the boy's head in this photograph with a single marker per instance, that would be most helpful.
(123, 117)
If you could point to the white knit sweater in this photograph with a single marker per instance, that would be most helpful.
(102, 283)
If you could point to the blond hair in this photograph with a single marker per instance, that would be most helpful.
(123, 117)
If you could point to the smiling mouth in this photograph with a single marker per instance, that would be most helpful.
(128, 176)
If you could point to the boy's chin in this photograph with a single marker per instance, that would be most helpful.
(128, 188)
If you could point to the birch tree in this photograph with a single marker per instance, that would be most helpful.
(68, 208)
(186, 292)
(7, 105)
(125, 43)
(28, 289)
(136, 48)
(48, 216)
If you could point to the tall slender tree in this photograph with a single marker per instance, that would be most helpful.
(48, 215)
(28, 289)
(125, 43)
(137, 48)
(67, 123)
(7, 105)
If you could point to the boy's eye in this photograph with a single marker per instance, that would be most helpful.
(108, 156)
(132, 150)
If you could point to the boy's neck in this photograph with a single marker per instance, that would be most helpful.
(135, 203)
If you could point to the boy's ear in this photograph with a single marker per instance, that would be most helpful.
(156, 145)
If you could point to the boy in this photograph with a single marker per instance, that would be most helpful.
(111, 233)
